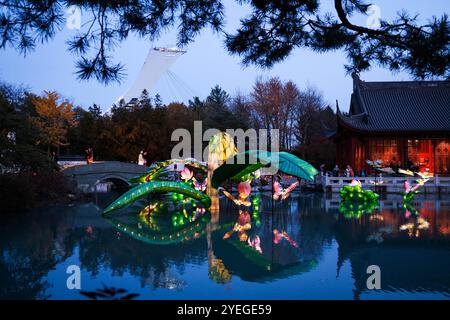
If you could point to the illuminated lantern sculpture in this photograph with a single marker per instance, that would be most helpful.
(411, 191)
(357, 201)
(220, 147)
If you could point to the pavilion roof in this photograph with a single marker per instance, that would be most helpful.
(405, 106)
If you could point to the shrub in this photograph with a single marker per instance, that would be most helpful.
(28, 190)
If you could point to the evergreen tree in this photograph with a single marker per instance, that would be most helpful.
(96, 111)
(266, 35)
(145, 100)
(158, 101)
(197, 107)
(217, 113)
(218, 96)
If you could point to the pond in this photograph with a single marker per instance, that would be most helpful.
(307, 250)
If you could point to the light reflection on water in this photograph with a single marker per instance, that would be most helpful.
(320, 255)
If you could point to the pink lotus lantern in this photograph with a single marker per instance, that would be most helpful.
(244, 189)
(355, 183)
(186, 174)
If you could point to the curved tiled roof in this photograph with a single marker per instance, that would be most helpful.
(400, 106)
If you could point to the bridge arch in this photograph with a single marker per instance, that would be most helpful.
(119, 173)
(117, 179)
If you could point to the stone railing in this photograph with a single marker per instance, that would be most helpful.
(385, 183)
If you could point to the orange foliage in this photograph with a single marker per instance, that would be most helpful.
(53, 119)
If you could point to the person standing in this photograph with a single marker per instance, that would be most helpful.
(349, 171)
(89, 156)
(336, 171)
(322, 169)
(363, 172)
(54, 156)
(409, 164)
(399, 166)
(141, 160)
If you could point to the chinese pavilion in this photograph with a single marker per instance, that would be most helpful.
(402, 123)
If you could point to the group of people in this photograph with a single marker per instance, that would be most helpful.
(336, 172)
(349, 172)
(142, 158)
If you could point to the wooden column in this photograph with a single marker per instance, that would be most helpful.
(403, 149)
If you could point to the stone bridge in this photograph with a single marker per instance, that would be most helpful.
(88, 176)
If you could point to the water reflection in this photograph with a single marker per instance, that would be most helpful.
(295, 241)
(412, 250)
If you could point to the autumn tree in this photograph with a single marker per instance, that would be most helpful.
(273, 103)
(53, 119)
(290, 97)
(262, 103)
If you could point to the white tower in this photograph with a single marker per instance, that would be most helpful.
(156, 64)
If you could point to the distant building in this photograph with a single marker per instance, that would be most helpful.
(404, 122)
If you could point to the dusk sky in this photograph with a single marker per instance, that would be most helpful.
(206, 63)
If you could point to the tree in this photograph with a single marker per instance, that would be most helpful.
(95, 111)
(217, 113)
(86, 132)
(53, 119)
(311, 119)
(158, 101)
(260, 103)
(273, 102)
(310, 104)
(266, 36)
(240, 107)
(290, 97)
(218, 96)
(144, 100)
(17, 151)
(197, 107)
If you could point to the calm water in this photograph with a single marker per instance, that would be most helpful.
(324, 255)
